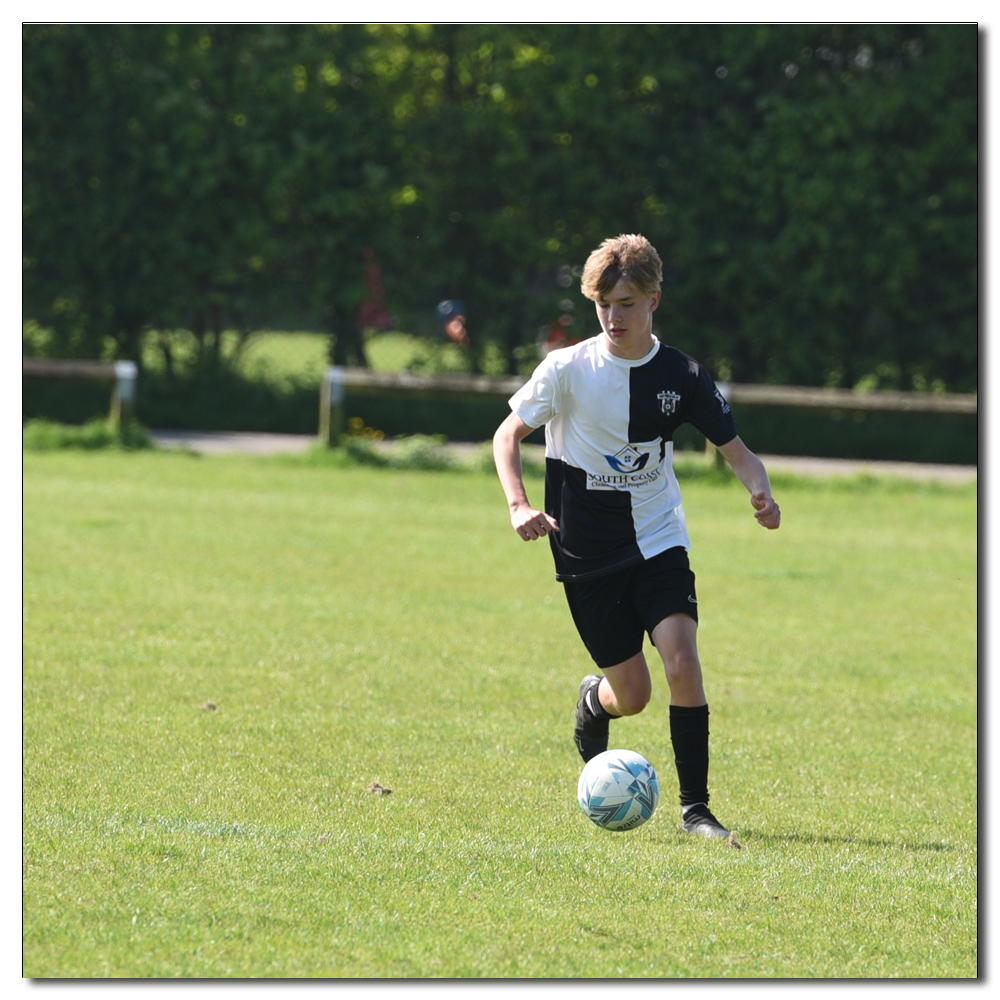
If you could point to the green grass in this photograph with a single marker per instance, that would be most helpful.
(47, 435)
(399, 352)
(352, 624)
(288, 360)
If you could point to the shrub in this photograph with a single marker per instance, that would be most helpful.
(47, 435)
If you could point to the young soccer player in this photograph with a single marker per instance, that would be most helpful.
(613, 512)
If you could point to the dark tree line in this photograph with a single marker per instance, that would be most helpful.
(812, 189)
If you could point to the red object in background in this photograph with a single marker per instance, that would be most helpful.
(557, 335)
(372, 313)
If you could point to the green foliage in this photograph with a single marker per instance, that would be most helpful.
(812, 188)
(47, 435)
(403, 352)
(415, 451)
(284, 362)
(885, 436)
(220, 656)
(182, 177)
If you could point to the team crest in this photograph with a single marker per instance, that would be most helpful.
(628, 459)
(668, 401)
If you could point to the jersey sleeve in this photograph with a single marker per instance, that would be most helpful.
(537, 401)
(710, 412)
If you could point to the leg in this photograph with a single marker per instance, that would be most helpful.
(612, 631)
(675, 639)
(626, 687)
(623, 690)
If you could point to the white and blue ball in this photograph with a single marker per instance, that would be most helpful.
(618, 789)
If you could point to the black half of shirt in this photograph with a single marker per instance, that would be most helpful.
(597, 532)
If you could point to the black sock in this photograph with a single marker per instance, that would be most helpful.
(689, 735)
(595, 707)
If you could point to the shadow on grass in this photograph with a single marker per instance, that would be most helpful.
(827, 839)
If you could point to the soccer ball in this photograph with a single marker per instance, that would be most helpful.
(618, 789)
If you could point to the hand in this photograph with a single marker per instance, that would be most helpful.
(531, 524)
(768, 512)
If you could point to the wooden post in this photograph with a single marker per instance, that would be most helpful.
(123, 396)
(331, 406)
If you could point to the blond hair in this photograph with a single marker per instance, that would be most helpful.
(630, 257)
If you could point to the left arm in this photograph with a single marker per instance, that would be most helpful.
(751, 473)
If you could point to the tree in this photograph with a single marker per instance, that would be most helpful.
(812, 188)
(196, 177)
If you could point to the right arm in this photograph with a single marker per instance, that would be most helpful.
(529, 523)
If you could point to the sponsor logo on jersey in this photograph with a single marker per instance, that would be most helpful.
(629, 459)
(668, 401)
(722, 400)
(623, 482)
(630, 471)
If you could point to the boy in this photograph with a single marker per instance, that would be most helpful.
(613, 511)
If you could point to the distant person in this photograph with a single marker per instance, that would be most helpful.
(613, 513)
(456, 332)
(452, 315)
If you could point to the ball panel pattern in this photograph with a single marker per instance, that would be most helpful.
(618, 790)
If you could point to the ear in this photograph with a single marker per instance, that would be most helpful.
(654, 300)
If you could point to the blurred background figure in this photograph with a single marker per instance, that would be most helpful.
(372, 313)
(558, 334)
(452, 313)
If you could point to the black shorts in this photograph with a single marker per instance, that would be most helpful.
(612, 612)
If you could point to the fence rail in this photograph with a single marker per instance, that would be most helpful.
(67, 368)
(338, 379)
(122, 373)
(849, 399)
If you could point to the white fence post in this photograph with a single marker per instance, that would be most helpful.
(123, 397)
(331, 406)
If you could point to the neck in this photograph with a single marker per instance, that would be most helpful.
(630, 352)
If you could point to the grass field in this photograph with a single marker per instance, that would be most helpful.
(289, 359)
(221, 654)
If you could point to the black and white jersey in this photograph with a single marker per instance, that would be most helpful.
(609, 425)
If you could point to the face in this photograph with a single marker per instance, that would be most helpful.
(626, 317)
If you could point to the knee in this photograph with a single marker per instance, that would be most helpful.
(634, 699)
(682, 665)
